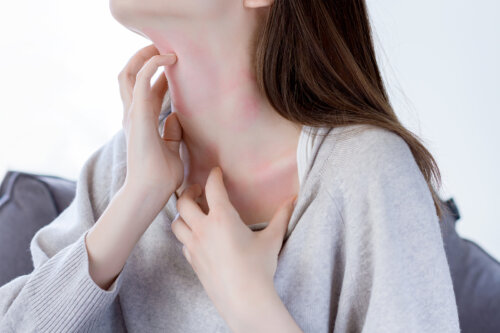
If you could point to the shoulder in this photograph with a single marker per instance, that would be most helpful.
(369, 144)
(391, 233)
(366, 149)
(376, 183)
(363, 158)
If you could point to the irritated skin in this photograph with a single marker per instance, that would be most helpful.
(226, 120)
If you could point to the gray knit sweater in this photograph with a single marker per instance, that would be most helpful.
(363, 253)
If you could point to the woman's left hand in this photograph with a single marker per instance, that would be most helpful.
(235, 265)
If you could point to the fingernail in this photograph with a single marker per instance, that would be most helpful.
(295, 200)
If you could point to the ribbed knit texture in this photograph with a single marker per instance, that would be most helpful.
(73, 295)
(363, 252)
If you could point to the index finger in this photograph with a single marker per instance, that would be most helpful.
(188, 208)
(143, 84)
(215, 189)
(138, 60)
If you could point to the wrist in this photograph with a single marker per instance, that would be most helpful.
(242, 310)
(261, 310)
(141, 192)
(145, 202)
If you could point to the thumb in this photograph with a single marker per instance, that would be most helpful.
(172, 132)
(278, 225)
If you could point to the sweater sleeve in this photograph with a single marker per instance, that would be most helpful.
(397, 277)
(59, 295)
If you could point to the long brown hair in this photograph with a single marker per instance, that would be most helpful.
(316, 63)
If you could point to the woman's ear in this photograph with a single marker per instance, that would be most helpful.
(257, 3)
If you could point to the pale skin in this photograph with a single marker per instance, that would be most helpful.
(229, 157)
(226, 120)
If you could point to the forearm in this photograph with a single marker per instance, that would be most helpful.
(111, 240)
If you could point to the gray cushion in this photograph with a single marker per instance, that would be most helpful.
(476, 278)
(27, 203)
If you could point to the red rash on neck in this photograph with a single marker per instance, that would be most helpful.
(206, 84)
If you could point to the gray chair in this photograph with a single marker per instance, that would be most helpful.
(27, 203)
(30, 201)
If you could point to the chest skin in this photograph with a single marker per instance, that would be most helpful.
(256, 199)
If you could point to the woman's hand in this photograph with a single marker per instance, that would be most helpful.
(153, 161)
(234, 264)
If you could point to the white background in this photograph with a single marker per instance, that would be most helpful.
(59, 97)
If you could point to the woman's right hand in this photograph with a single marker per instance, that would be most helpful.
(154, 165)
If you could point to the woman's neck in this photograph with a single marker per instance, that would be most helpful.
(226, 120)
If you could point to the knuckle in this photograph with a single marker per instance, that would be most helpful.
(123, 75)
(198, 233)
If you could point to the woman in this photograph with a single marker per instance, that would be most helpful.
(194, 230)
